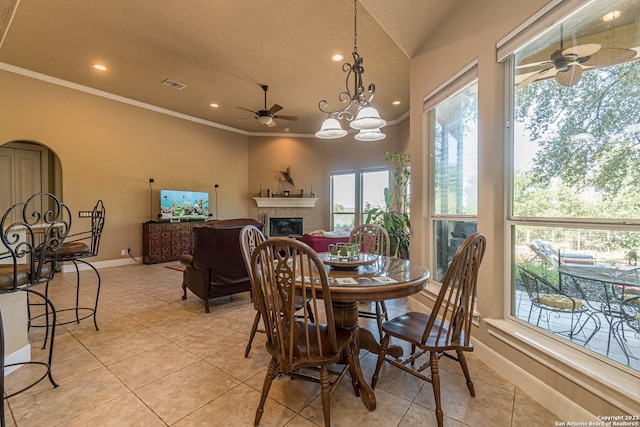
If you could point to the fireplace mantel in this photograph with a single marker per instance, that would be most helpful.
(286, 202)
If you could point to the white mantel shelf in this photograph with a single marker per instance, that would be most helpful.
(286, 202)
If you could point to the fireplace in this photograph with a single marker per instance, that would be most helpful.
(291, 227)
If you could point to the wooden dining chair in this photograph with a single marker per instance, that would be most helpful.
(299, 347)
(373, 239)
(447, 328)
(250, 238)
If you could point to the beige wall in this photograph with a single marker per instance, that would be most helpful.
(313, 160)
(472, 32)
(109, 150)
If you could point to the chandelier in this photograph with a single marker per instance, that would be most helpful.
(366, 118)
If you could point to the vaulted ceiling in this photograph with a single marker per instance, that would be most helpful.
(222, 50)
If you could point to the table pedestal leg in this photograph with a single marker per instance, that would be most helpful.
(346, 316)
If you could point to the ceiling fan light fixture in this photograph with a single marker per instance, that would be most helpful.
(331, 129)
(614, 14)
(265, 120)
(370, 135)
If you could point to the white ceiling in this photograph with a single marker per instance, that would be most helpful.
(223, 50)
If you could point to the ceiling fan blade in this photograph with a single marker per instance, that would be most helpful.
(275, 108)
(534, 64)
(246, 109)
(271, 124)
(245, 118)
(582, 50)
(293, 118)
(610, 56)
(570, 77)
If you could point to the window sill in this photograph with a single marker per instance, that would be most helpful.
(616, 385)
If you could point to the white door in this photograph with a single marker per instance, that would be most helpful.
(20, 175)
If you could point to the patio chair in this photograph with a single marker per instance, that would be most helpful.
(552, 257)
(629, 318)
(548, 299)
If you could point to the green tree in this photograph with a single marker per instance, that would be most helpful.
(589, 133)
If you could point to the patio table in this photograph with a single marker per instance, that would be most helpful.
(602, 288)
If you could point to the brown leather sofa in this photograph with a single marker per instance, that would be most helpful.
(216, 267)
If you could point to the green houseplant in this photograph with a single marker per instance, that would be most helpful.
(394, 215)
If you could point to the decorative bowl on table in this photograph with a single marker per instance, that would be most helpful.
(345, 251)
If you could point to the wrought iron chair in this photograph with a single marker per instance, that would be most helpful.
(548, 299)
(250, 238)
(373, 239)
(75, 249)
(29, 231)
(629, 318)
(447, 328)
(282, 268)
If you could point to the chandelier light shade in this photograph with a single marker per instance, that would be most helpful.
(367, 119)
(370, 135)
(331, 129)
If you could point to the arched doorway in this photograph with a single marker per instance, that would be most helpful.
(27, 168)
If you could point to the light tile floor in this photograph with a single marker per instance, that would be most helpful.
(160, 361)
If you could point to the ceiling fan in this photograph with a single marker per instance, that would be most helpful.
(267, 117)
(567, 65)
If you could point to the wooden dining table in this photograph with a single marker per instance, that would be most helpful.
(370, 278)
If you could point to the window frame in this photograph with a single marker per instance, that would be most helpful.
(467, 76)
(359, 214)
(586, 368)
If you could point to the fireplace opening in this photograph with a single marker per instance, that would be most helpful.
(291, 227)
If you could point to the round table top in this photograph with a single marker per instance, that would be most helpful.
(385, 278)
(618, 276)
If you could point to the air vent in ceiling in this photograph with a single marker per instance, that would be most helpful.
(174, 84)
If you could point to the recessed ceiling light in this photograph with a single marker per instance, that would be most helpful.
(214, 105)
(100, 67)
(396, 102)
(337, 57)
(611, 15)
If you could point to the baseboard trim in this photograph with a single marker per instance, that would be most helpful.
(551, 399)
(69, 268)
(20, 356)
(557, 403)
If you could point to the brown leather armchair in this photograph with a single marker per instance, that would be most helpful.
(216, 267)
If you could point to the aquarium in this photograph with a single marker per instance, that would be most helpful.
(183, 205)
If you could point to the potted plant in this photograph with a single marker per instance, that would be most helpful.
(394, 216)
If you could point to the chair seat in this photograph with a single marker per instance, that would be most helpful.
(73, 249)
(313, 357)
(560, 301)
(410, 327)
(23, 275)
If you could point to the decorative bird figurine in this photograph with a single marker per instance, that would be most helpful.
(286, 175)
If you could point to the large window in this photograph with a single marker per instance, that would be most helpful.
(575, 207)
(454, 150)
(353, 193)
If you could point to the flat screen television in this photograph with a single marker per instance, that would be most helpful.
(184, 205)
